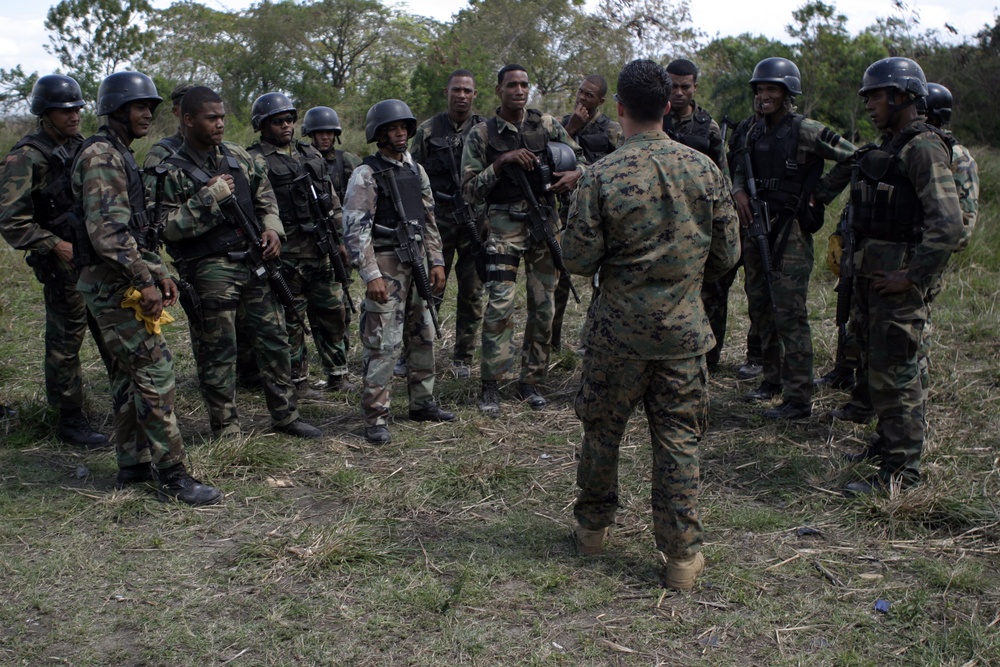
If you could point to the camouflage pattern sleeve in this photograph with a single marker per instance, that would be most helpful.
(432, 240)
(100, 185)
(834, 181)
(967, 183)
(724, 252)
(816, 139)
(558, 133)
(478, 177)
(359, 210)
(418, 151)
(926, 160)
(583, 239)
(18, 172)
(157, 154)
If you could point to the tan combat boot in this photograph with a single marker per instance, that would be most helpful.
(681, 572)
(589, 542)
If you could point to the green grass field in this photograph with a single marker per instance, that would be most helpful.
(451, 545)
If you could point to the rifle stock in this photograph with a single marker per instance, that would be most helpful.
(759, 227)
(328, 243)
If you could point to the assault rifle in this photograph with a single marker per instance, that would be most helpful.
(255, 256)
(463, 215)
(760, 226)
(327, 239)
(155, 226)
(845, 285)
(409, 244)
(541, 225)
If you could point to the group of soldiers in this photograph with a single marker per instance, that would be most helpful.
(262, 241)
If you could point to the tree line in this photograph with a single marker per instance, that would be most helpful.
(351, 53)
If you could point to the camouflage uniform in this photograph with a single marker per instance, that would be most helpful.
(26, 175)
(382, 324)
(599, 136)
(208, 252)
(308, 272)
(142, 373)
(433, 137)
(699, 131)
(785, 333)
(891, 327)
(507, 243)
(654, 238)
(340, 165)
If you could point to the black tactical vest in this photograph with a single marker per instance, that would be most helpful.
(885, 203)
(56, 199)
(290, 176)
(593, 138)
(172, 143)
(443, 139)
(224, 237)
(410, 192)
(531, 136)
(697, 133)
(140, 218)
(781, 181)
(336, 168)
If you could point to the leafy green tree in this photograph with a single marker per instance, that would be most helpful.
(727, 65)
(94, 38)
(15, 89)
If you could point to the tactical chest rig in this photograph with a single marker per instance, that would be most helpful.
(141, 224)
(781, 181)
(531, 136)
(223, 237)
(445, 138)
(291, 176)
(53, 204)
(335, 167)
(885, 203)
(594, 140)
(697, 134)
(410, 192)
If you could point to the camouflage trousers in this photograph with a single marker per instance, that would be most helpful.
(382, 326)
(674, 396)
(319, 297)
(508, 243)
(223, 286)
(892, 341)
(66, 322)
(142, 382)
(469, 303)
(786, 338)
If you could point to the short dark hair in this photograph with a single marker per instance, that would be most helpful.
(513, 67)
(644, 89)
(600, 82)
(683, 67)
(460, 73)
(196, 98)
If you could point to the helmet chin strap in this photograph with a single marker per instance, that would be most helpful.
(896, 108)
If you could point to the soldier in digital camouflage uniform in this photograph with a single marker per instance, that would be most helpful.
(293, 168)
(597, 135)
(656, 218)
(391, 299)
(907, 220)
(435, 138)
(117, 252)
(787, 152)
(210, 252)
(514, 138)
(35, 210)
(689, 124)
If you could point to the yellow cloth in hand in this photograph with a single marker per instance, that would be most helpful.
(834, 249)
(132, 299)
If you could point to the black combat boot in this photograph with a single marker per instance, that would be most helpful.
(529, 394)
(74, 430)
(431, 412)
(176, 484)
(137, 474)
(489, 399)
(841, 377)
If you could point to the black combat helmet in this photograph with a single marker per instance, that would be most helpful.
(55, 91)
(778, 70)
(318, 119)
(267, 105)
(385, 112)
(120, 88)
(939, 102)
(902, 74)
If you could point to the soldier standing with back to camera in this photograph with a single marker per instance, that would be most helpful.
(294, 169)
(371, 231)
(437, 147)
(787, 152)
(36, 203)
(597, 135)
(515, 138)
(116, 247)
(211, 253)
(907, 220)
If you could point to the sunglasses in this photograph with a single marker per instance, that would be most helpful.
(284, 120)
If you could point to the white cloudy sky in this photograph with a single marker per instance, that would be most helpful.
(23, 36)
